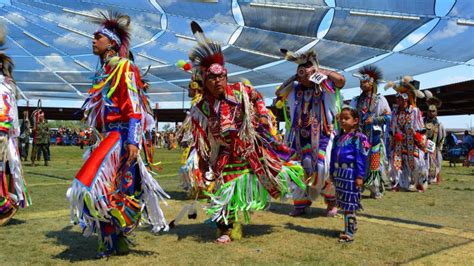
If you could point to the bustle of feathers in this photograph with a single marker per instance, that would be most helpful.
(118, 23)
(372, 71)
(206, 52)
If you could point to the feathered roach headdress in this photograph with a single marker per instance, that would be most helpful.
(207, 54)
(408, 88)
(432, 101)
(116, 27)
(305, 60)
(308, 59)
(370, 73)
(301, 58)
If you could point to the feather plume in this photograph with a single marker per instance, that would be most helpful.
(428, 94)
(206, 52)
(419, 94)
(389, 85)
(198, 32)
(407, 79)
(431, 99)
(301, 58)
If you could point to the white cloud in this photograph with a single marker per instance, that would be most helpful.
(17, 18)
(180, 44)
(141, 32)
(148, 19)
(72, 40)
(55, 62)
(222, 18)
(452, 29)
(221, 33)
(63, 18)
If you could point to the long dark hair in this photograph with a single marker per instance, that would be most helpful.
(354, 113)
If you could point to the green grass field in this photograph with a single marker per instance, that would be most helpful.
(435, 227)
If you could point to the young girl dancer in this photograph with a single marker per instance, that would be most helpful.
(347, 169)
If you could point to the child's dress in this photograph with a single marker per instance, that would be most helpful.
(348, 160)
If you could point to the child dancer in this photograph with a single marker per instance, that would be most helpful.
(347, 169)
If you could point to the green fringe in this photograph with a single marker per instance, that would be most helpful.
(241, 202)
(376, 174)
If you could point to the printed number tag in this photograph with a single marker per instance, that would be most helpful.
(430, 146)
(318, 78)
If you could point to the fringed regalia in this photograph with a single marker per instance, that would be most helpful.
(233, 140)
(14, 192)
(374, 106)
(309, 127)
(243, 157)
(407, 162)
(191, 176)
(435, 133)
(408, 168)
(348, 161)
(109, 196)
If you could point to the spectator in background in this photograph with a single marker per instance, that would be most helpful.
(82, 138)
(467, 140)
(159, 140)
(450, 140)
(452, 152)
(41, 139)
(25, 137)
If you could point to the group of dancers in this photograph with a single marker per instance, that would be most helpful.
(235, 157)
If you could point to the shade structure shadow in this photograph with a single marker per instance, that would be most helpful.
(310, 230)
(50, 176)
(80, 248)
(427, 254)
(206, 232)
(285, 209)
(400, 220)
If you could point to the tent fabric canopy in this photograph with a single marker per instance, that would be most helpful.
(50, 40)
